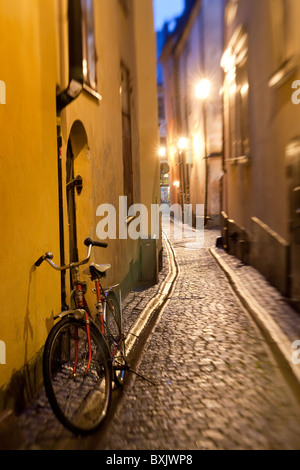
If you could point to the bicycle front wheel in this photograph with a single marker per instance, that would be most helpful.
(77, 378)
(115, 338)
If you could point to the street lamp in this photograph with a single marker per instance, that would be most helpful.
(182, 143)
(202, 92)
(202, 89)
(162, 152)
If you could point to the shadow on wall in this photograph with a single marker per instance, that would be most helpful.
(25, 382)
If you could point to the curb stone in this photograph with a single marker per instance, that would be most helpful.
(156, 303)
(261, 315)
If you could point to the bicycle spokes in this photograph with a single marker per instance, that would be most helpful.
(89, 344)
(77, 374)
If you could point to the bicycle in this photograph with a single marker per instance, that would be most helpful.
(84, 355)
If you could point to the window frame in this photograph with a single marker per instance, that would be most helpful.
(89, 56)
(236, 89)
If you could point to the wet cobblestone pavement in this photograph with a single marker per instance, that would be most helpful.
(217, 385)
(39, 427)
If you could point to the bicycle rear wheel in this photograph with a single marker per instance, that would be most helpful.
(78, 386)
(115, 338)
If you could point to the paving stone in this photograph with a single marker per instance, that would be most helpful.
(237, 405)
(218, 386)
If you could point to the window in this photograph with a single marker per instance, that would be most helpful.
(278, 16)
(126, 134)
(235, 65)
(163, 142)
(284, 35)
(161, 107)
(173, 107)
(88, 44)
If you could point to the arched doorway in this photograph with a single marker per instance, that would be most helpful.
(77, 187)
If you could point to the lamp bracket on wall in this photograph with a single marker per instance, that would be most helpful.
(76, 183)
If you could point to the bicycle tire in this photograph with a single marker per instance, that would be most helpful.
(115, 337)
(79, 395)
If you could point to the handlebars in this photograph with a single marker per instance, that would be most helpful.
(49, 256)
(88, 242)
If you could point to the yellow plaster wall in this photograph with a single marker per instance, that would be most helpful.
(33, 38)
(128, 38)
(28, 169)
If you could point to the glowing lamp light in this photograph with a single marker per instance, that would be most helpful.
(176, 184)
(85, 67)
(232, 90)
(162, 152)
(202, 89)
(228, 60)
(245, 89)
(182, 143)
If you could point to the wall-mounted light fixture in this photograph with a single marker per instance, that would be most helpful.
(182, 143)
(162, 152)
(202, 89)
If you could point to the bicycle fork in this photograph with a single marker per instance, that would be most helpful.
(81, 304)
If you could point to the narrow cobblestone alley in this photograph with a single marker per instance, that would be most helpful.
(150, 189)
(217, 386)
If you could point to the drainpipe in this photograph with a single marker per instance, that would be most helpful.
(64, 305)
(63, 99)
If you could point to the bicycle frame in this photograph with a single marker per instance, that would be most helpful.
(83, 312)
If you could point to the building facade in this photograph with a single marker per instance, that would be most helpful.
(261, 116)
(191, 55)
(163, 147)
(79, 129)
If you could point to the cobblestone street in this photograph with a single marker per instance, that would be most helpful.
(217, 386)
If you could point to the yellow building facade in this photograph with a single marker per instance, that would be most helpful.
(79, 129)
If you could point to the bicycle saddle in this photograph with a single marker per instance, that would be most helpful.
(97, 270)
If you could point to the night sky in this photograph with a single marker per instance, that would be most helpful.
(165, 10)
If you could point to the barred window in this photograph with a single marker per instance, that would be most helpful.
(88, 44)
